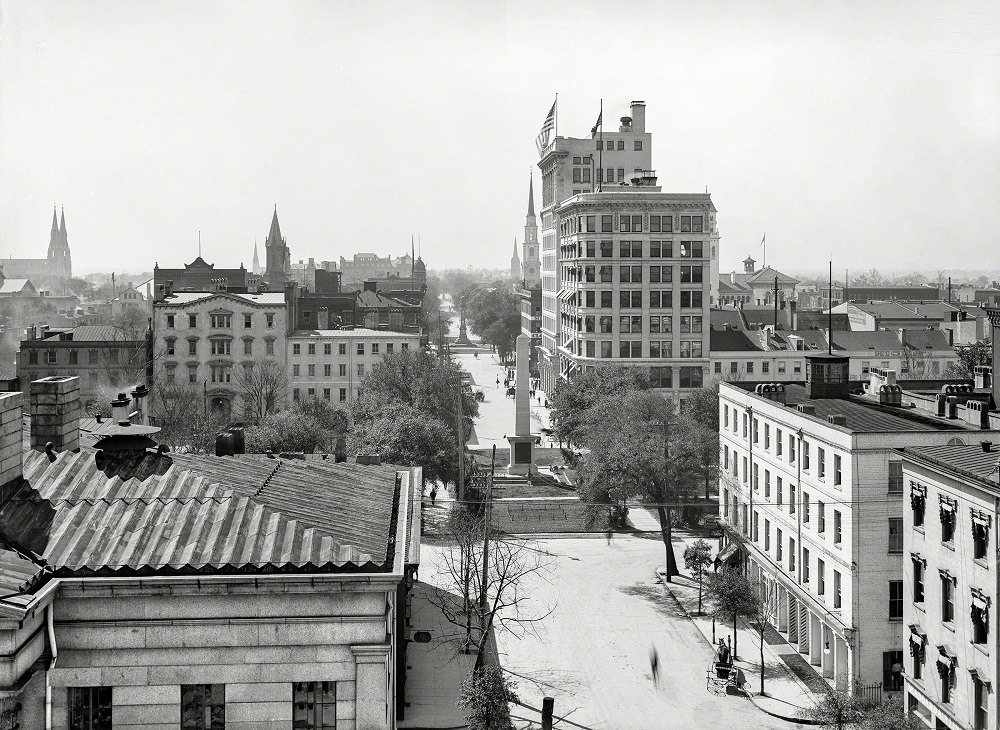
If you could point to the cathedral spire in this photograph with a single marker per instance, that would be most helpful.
(62, 226)
(55, 225)
(274, 235)
(531, 196)
(256, 259)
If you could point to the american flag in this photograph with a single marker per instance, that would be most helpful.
(542, 140)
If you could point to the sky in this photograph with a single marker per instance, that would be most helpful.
(867, 132)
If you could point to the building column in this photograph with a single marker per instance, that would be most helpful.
(841, 666)
(782, 609)
(372, 703)
(815, 640)
(793, 619)
(826, 657)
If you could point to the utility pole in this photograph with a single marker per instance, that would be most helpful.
(483, 595)
(461, 442)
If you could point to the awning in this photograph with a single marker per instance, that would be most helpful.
(982, 678)
(919, 632)
(728, 552)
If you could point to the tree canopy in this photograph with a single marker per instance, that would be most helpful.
(978, 353)
(290, 430)
(403, 434)
(427, 385)
(572, 401)
(495, 316)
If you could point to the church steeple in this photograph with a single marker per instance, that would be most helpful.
(54, 234)
(256, 260)
(277, 256)
(531, 197)
(60, 263)
(530, 263)
(515, 264)
(62, 226)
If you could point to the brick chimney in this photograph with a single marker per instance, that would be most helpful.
(10, 444)
(55, 413)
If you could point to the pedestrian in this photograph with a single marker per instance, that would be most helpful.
(434, 494)
(607, 535)
(498, 381)
(546, 402)
(654, 665)
(724, 656)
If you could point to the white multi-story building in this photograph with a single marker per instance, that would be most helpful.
(950, 584)
(823, 521)
(602, 215)
(635, 273)
(200, 337)
(329, 364)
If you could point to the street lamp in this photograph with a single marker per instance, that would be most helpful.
(664, 499)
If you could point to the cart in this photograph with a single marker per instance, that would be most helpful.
(720, 677)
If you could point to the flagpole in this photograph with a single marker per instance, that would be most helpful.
(600, 151)
(556, 120)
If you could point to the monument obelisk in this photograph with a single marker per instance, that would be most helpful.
(522, 443)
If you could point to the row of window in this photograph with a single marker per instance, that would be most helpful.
(657, 323)
(657, 349)
(111, 355)
(222, 320)
(327, 370)
(630, 223)
(633, 249)
(312, 392)
(203, 706)
(752, 431)
(748, 366)
(218, 347)
(609, 144)
(635, 274)
(979, 522)
(375, 348)
(633, 299)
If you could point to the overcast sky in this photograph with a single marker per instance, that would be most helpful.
(863, 130)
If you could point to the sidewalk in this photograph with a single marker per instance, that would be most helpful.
(789, 693)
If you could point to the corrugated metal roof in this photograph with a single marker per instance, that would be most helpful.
(187, 514)
(97, 333)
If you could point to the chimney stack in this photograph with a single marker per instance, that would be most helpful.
(639, 116)
(10, 444)
(54, 405)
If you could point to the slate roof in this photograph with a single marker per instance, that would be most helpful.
(14, 286)
(732, 341)
(181, 514)
(767, 274)
(934, 339)
(720, 317)
(968, 460)
(97, 333)
(863, 416)
(887, 310)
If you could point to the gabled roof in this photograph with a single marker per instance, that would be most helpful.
(756, 316)
(881, 341)
(766, 276)
(929, 339)
(190, 297)
(15, 286)
(886, 310)
(98, 333)
(966, 460)
(720, 317)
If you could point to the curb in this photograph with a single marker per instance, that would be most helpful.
(660, 573)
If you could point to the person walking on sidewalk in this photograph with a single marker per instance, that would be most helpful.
(434, 494)
(654, 665)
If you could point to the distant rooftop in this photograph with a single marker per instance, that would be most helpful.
(189, 297)
(352, 332)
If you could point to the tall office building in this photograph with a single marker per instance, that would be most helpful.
(626, 269)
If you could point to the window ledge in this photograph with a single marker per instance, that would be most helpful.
(950, 625)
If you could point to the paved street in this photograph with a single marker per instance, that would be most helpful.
(496, 413)
(592, 653)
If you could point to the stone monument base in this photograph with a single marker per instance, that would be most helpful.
(522, 455)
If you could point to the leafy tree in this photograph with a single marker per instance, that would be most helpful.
(332, 418)
(872, 277)
(836, 708)
(734, 596)
(487, 694)
(697, 558)
(978, 353)
(495, 315)
(261, 385)
(287, 431)
(629, 456)
(431, 386)
(571, 402)
(404, 435)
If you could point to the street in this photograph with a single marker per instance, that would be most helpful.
(592, 653)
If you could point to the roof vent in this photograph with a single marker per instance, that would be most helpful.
(806, 408)
(837, 419)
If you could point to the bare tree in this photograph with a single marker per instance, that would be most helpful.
(262, 385)
(185, 423)
(477, 612)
